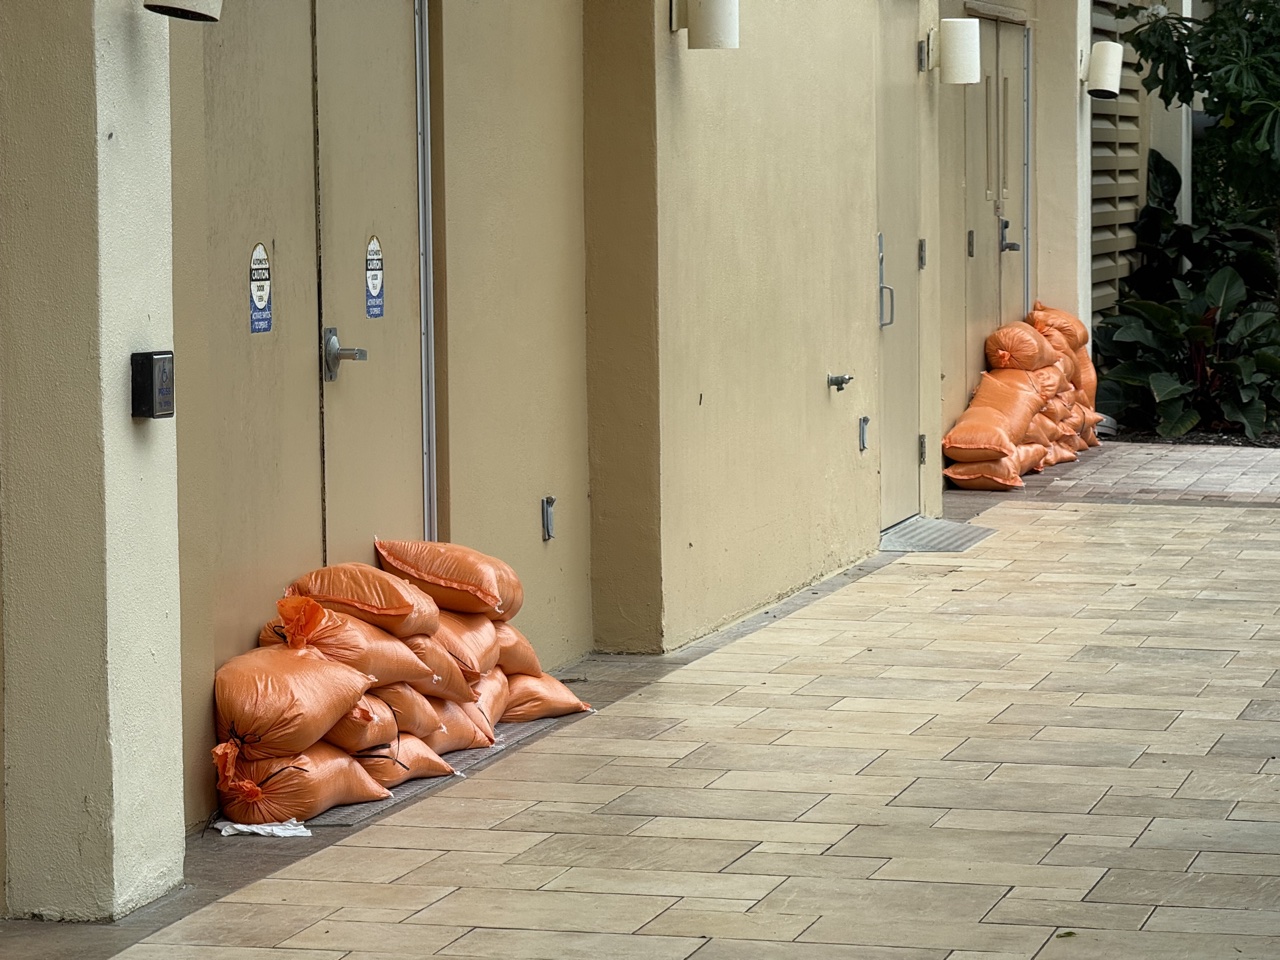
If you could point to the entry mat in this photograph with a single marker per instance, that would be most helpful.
(507, 736)
(929, 535)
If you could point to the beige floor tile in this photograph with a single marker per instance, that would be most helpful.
(951, 709)
(443, 838)
(988, 795)
(1220, 836)
(392, 938)
(1113, 718)
(1150, 945)
(1145, 858)
(996, 873)
(1048, 752)
(624, 775)
(1254, 922)
(784, 864)
(708, 733)
(881, 899)
(677, 693)
(1057, 894)
(459, 869)
(1058, 913)
(550, 821)
(171, 951)
(750, 886)
(941, 934)
(449, 811)
(712, 904)
(543, 910)
(610, 747)
(931, 844)
(878, 688)
(679, 712)
(912, 746)
(734, 756)
(854, 785)
(891, 765)
(1157, 807)
(795, 701)
(547, 945)
(1264, 864)
(524, 765)
(728, 926)
(607, 724)
(1094, 776)
(864, 810)
(242, 925)
(1064, 823)
(533, 790)
(635, 853)
(729, 804)
(976, 729)
(780, 846)
(697, 828)
(795, 719)
(1233, 891)
(369, 915)
(329, 893)
(357, 865)
(778, 682)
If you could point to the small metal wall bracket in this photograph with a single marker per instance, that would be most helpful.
(922, 254)
(548, 518)
(839, 381)
(924, 449)
(863, 423)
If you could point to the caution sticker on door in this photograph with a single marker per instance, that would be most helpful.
(373, 294)
(259, 291)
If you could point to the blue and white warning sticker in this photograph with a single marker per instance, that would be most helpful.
(373, 292)
(259, 291)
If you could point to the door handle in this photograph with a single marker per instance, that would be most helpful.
(1005, 243)
(893, 297)
(335, 353)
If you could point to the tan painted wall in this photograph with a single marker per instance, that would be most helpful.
(509, 229)
(248, 420)
(767, 223)
(621, 206)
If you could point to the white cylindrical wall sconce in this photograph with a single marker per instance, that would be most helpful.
(202, 11)
(1106, 66)
(713, 24)
(960, 43)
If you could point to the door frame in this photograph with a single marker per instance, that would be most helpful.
(430, 508)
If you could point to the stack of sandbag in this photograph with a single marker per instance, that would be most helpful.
(362, 683)
(1032, 410)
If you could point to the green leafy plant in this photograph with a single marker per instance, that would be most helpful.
(1210, 357)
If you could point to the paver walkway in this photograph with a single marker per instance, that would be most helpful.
(1060, 744)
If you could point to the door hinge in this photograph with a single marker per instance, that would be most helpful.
(971, 243)
(922, 56)
(922, 256)
(924, 449)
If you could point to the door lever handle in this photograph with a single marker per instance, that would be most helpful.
(1005, 243)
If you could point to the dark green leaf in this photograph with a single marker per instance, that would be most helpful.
(1226, 291)
(1165, 386)
(1179, 425)
(1252, 416)
(1250, 323)
(1136, 372)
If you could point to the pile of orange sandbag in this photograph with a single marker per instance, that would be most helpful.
(368, 676)
(1033, 409)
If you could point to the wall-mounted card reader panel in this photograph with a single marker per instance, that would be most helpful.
(152, 376)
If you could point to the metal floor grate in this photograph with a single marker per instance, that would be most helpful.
(508, 735)
(929, 535)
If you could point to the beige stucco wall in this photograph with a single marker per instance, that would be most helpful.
(93, 798)
(766, 245)
(511, 300)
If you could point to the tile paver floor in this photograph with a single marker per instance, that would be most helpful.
(1060, 744)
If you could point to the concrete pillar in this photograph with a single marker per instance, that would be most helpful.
(88, 497)
(1062, 161)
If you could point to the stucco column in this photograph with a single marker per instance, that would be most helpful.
(88, 496)
(1062, 165)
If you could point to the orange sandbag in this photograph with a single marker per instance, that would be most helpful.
(1074, 421)
(1086, 378)
(373, 595)
(303, 785)
(408, 758)
(1060, 452)
(515, 652)
(1019, 346)
(1070, 327)
(1076, 442)
(1058, 409)
(1090, 436)
(1042, 431)
(457, 578)
(447, 680)
(1004, 474)
(995, 421)
(459, 730)
(369, 723)
(346, 639)
(471, 640)
(532, 698)
(414, 713)
(491, 701)
(277, 701)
